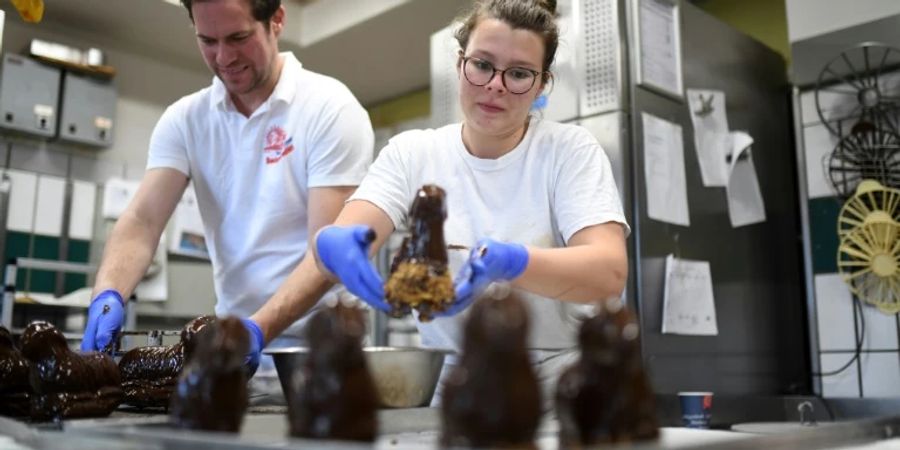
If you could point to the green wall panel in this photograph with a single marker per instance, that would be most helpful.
(16, 247)
(823, 214)
(79, 251)
(45, 247)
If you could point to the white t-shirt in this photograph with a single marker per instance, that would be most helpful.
(252, 175)
(556, 182)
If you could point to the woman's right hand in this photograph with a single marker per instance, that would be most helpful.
(344, 252)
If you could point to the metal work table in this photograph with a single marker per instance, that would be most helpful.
(402, 428)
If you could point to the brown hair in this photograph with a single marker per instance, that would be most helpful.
(538, 16)
(263, 10)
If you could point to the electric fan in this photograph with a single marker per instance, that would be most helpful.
(868, 256)
(858, 85)
(867, 153)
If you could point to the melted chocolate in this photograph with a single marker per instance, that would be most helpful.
(334, 395)
(149, 374)
(67, 384)
(492, 398)
(419, 276)
(211, 393)
(15, 392)
(605, 396)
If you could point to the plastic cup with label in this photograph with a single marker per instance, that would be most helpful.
(696, 409)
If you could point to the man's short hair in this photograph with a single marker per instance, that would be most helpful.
(263, 10)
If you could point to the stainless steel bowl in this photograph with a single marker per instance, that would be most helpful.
(405, 377)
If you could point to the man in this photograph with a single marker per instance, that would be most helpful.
(272, 149)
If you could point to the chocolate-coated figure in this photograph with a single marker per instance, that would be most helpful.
(419, 275)
(211, 393)
(149, 374)
(64, 383)
(333, 395)
(605, 396)
(492, 398)
(15, 391)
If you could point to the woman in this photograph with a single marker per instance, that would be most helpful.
(538, 195)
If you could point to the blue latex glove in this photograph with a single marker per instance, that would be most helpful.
(105, 317)
(344, 251)
(251, 359)
(489, 261)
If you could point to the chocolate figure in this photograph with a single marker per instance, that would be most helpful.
(211, 393)
(333, 395)
(15, 391)
(149, 373)
(492, 398)
(419, 276)
(605, 396)
(67, 384)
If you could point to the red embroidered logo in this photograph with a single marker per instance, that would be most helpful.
(278, 145)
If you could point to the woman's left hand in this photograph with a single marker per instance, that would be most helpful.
(489, 261)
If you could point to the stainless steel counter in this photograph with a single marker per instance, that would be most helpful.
(399, 429)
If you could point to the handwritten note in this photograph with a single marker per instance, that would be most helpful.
(664, 171)
(659, 44)
(688, 305)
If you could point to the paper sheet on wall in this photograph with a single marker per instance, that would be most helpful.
(117, 193)
(187, 228)
(712, 140)
(664, 171)
(659, 45)
(688, 304)
(745, 202)
(154, 286)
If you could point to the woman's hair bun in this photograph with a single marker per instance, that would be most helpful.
(549, 5)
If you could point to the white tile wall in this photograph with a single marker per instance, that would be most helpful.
(844, 384)
(880, 332)
(819, 144)
(22, 193)
(48, 215)
(81, 219)
(834, 311)
(881, 374)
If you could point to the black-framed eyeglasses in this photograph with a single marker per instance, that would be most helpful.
(516, 80)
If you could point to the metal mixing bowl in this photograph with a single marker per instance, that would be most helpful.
(405, 377)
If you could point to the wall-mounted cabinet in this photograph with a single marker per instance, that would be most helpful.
(88, 110)
(29, 95)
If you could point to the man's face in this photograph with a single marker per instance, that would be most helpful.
(240, 50)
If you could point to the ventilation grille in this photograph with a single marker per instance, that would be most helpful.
(600, 22)
(444, 83)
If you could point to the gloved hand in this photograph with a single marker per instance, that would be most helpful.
(344, 251)
(251, 359)
(105, 317)
(489, 261)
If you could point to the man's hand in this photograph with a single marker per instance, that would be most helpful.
(105, 317)
(257, 342)
(344, 251)
(489, 261)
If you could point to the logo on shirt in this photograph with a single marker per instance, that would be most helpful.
(278, 145)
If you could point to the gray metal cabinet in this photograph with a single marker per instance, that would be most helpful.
(29, 96)
(88, 110)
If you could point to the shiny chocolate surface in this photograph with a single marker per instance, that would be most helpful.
(333, 395)
(67, 384)
(492, 398)
(211, 392)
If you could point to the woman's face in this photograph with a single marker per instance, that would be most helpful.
(491, 109)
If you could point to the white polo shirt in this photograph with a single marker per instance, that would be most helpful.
(554, 183)
(252, 174)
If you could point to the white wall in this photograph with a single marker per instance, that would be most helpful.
(808, 18)
(146, 86)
